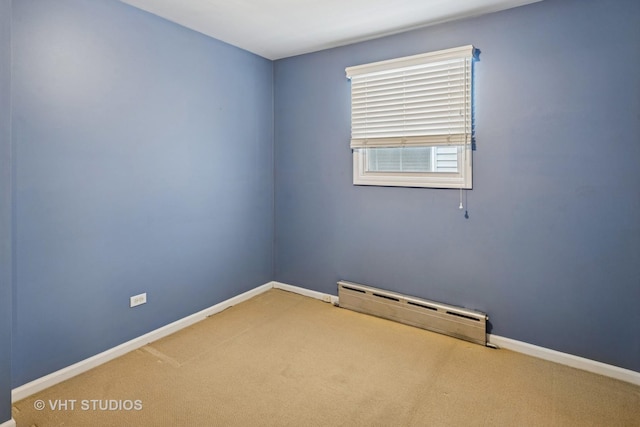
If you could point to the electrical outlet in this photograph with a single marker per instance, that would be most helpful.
(138, 300)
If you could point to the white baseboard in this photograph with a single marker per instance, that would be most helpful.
(64, 374)
(10, 423)
(589, 365)
(306, 292)
(90, 363)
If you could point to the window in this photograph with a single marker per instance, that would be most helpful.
(411, 120)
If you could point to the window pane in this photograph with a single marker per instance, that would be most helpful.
(447, 159)
(413, 159)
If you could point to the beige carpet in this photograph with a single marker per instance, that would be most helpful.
(285, 360)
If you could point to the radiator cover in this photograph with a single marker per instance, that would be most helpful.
(469, 325)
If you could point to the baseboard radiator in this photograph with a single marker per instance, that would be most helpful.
(446, 319)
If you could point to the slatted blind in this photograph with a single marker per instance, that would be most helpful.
(421, 100)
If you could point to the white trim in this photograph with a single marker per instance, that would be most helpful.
(10, 423)
(589, 365)
(307, 292)
(64, 374)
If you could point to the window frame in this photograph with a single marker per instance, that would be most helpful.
(462, 179)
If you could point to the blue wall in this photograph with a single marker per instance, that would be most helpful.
(5, 211)
(143, 164)
(551, 249)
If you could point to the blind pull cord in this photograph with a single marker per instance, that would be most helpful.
(466, 212)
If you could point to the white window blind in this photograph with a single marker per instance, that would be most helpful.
(421, 100)
(412, 120)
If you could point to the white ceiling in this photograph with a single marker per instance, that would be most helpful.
(278, 29)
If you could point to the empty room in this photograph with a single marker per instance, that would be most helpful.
(319, 213)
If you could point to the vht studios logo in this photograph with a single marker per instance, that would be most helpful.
(88, 405)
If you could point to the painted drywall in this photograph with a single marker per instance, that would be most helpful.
(5, 211)
(143, 164)
(551, 248)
